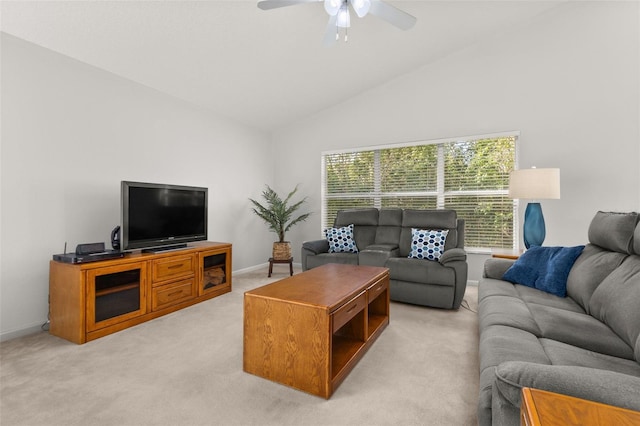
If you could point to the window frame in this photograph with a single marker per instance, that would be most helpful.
(439, 193)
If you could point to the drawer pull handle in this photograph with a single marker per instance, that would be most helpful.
(175, 292)
(175, 266)
(352, 308)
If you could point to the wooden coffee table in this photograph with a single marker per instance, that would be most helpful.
(309, 331)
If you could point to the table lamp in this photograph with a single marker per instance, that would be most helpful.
(534, 184)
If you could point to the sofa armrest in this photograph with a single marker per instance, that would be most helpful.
(495, 268)
(607, 387)
(316, 246)
(452, 255)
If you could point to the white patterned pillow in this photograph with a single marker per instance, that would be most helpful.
(427, 244)
(341, 239)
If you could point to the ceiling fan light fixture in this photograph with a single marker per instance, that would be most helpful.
(344, 20)
(333, 6)
(361, 7)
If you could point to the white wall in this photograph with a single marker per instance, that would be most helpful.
(569, 81)
(71, 133)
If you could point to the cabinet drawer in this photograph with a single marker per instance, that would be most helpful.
(173, 267)
(171, 294)
(347, 311)
(375, 290)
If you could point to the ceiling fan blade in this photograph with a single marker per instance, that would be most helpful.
(274, 4)
(392, 14)
(330, 36)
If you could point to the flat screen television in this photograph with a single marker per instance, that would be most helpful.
(161, 217)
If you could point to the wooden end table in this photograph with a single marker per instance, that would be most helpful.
(543, 408)
(289, 261)
(506, 253)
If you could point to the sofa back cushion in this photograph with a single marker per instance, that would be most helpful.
(616, 301)
(389, 223)
(365, 224)
(636, 240)
(613, 231)
(428, 220)
(588, 271)
(611, 240)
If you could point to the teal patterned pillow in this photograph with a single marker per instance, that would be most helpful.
(341, 240)
(427, 244)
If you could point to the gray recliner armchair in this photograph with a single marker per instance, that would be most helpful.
(383, 237)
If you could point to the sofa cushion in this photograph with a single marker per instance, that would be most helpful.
(590, 268)
(324, 258)
(365, 224)
(500, 344)
(565, 354)
(580, 330)
(615, 302)
(427, 219)
(507, 311)
(363, 217)
(420, 271)
(544, 268)
(341, 240)
(494, 287)
(532, 296)
(613, 231)
(427, 244)
(636, 240)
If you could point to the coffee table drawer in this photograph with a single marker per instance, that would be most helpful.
(375, 290)
(349, 310)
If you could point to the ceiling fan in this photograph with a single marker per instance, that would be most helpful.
(339, 16)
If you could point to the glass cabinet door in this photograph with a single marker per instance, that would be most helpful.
(115, 294)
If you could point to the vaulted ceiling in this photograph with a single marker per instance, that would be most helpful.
(264, 69)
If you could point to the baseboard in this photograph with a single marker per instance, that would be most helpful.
(8, 335)
(260, 266)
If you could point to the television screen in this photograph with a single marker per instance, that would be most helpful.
(158, 215)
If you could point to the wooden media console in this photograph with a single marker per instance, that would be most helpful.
(92, 300)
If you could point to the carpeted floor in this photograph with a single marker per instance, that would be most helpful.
(186, 369)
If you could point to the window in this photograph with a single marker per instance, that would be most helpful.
(469, 175)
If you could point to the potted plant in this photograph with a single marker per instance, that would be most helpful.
(278, 214)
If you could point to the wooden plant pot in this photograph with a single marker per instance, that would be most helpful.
(281, 251)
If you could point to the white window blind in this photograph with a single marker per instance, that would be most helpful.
(469, 175)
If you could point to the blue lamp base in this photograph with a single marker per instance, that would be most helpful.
(534, 230)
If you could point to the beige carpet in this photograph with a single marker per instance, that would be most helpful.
(186, 369)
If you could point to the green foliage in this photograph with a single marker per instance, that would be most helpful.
(469, 176)
(278, 213)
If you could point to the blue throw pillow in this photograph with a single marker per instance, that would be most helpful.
(427, 244)
(544, 268)
(341, 240)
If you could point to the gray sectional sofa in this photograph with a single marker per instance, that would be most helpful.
(384, 238)
(586, 344)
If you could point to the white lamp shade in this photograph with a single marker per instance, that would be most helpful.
(535, 184)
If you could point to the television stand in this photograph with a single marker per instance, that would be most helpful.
(91, 300)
